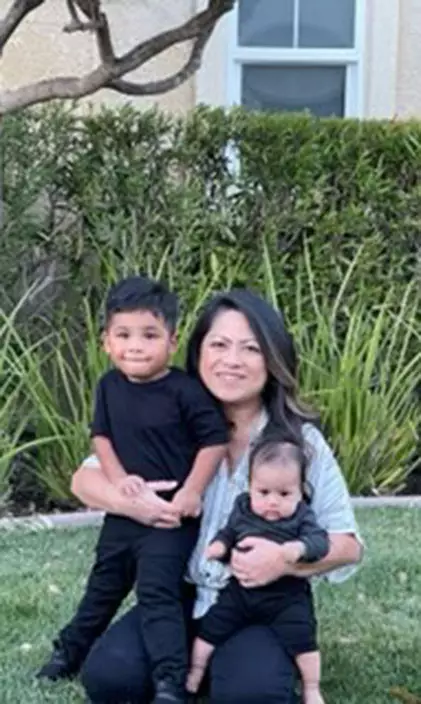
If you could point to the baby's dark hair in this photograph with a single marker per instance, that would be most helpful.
(140, 293)
(276, 446)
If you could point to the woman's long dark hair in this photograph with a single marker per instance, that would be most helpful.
(280, 394)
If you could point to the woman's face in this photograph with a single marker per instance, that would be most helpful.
(231, 363)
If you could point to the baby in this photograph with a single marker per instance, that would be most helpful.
(275, 508)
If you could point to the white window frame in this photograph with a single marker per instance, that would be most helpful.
(351, 59)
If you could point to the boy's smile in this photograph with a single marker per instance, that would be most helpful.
(139, 344)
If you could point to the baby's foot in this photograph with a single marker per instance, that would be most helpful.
(312, 695)
(194, 679)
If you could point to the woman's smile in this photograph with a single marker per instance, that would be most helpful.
(232, 366)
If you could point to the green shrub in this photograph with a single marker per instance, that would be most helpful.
(323, 216)
(355, 368)
(14, 412)
(167, 186)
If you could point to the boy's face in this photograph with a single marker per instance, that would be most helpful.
(275, 490)
(139, 344)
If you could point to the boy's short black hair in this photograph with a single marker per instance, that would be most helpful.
(142, 293)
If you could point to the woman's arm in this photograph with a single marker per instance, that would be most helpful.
(331, 503)
(265, 561)
(344, 549)
(93, 488)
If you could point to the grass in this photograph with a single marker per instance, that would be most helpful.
(369, 626)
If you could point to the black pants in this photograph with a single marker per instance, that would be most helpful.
(250, 668)
(286, 606)
(156, 560)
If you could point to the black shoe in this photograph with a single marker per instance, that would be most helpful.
(167, 693)
(57, 667)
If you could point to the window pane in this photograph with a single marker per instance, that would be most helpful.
(326, 23)
(265, 23)
(320, 89)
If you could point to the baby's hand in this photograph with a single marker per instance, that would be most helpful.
(188, 503)
(131, 486)
(293, 551)
(216, 550)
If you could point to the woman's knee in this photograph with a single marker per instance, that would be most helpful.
(252, 667)
(116, 668)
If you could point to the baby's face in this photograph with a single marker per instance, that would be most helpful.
(275, 490)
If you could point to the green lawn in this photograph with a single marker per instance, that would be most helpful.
(370, 626)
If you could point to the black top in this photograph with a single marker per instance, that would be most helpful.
(157, 427)
(302, 525)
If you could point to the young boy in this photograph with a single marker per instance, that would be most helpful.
(151, 422)
(273, 509)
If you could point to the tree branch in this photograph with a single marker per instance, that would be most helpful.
(110, 71)
(14, 16)
(166, 84)
(63, 87)
(202, 22)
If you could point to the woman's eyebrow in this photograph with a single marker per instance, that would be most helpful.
(242, 341)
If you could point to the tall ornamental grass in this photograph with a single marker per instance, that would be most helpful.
(361, 368)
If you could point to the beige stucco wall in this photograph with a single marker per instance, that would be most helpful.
(391, 61)
(390, 78)
(40, 49)
(408, 85)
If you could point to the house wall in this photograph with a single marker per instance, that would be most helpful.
(40, 49)
(391, 76)
(391, 60)
(408, 85)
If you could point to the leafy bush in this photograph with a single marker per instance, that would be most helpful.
(323, 216)
(167, 188)
(355, 368)
(14, 412)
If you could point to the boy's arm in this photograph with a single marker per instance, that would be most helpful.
(188, 499)
(101, 439)
(210, 431)
(101, 435)
(204, 467)
(110, 464)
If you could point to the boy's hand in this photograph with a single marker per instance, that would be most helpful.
(188, 503)
(216, 550)
(131, 485)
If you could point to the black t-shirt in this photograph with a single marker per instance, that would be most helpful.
(157, 427)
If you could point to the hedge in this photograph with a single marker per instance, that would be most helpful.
(322, 216)
(230, 183)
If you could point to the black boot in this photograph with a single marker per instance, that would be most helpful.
(58, 666)
(167, 693)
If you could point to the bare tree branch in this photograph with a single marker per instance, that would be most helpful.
(14, 16)
(90, 8)
(166, 84)
(202, 22)
(111, 69)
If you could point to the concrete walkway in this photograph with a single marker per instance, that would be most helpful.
(81, 519)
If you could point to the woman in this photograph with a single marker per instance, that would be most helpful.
(244, 355)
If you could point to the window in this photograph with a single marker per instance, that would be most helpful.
(296, 55)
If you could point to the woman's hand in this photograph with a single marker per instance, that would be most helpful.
(258, 561)
(94, 489)
(149, 508)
